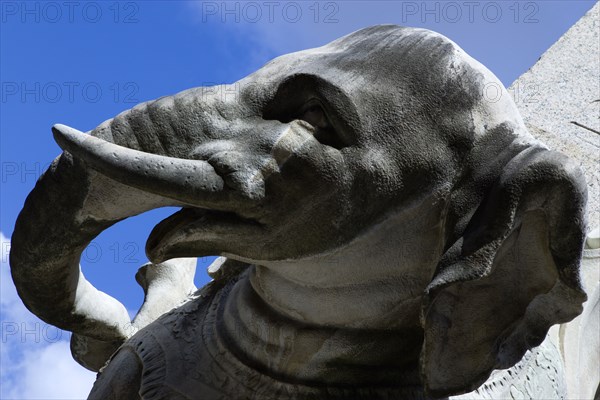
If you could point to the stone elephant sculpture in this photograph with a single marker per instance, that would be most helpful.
(389, 232)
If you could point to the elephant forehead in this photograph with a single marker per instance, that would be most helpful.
(404, 83)
(373, 56)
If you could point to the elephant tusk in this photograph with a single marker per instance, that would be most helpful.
(184, 180)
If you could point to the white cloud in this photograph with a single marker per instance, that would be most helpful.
(47, 372)
(35, 360)
(269, 29)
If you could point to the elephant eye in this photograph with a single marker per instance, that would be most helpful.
(324, 132)
(315, 116)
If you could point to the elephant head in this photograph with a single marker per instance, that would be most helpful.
(308, 154)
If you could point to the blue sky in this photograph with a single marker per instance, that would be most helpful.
(81, 63)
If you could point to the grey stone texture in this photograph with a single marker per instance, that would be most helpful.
(388, 233)
(559, 99)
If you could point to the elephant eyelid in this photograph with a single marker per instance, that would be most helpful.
(315, 113)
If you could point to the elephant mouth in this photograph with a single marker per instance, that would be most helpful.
(179, 235)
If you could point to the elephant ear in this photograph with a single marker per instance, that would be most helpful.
(510, 276)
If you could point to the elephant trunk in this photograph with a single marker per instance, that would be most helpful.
(72, 203)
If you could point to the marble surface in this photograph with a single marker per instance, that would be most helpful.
(559, 99)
